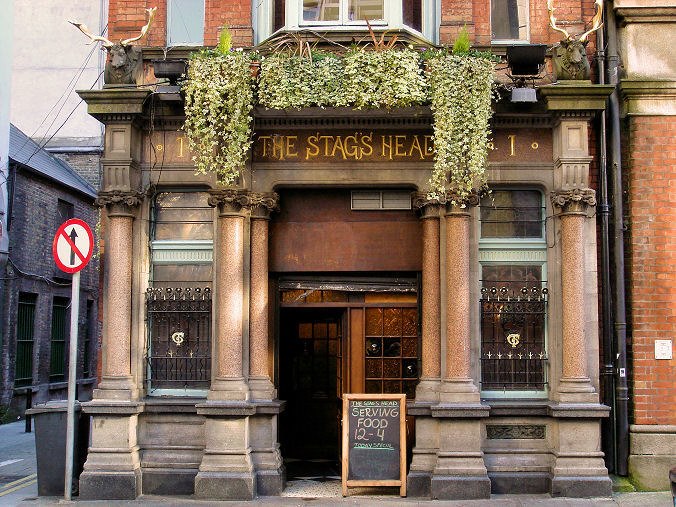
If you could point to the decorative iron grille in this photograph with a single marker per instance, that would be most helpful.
(513, 352)
(179, 322)
(25, 331)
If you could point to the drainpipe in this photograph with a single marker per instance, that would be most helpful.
(620, 324)
(608, 433)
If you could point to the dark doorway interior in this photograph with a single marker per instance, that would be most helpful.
(310, 372)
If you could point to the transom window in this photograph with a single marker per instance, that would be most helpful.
(513, 303)
(509, 20)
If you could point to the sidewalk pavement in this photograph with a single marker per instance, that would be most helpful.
(18, 487)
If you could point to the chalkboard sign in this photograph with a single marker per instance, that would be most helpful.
(374, 440)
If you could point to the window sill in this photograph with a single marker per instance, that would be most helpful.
(518, 407)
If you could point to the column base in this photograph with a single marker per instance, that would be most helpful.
(582, 487)
(460, 487)
(225, 486)
(98, 485)
(419, 484)
(461, 390)
(230, 389)
(578, 390)
(262, 389)
(428, 390)
(114, 388)
(270, 482)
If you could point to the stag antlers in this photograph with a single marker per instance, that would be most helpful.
(105, 42)
(596, 21)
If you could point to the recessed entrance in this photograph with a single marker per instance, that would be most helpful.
(311, 355)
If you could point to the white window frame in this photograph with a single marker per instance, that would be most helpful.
(525, 40)
(263, 14)
(517, 251)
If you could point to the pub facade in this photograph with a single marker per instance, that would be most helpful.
(236, 317)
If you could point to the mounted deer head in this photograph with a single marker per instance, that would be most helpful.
(570, 56)
(124, 65)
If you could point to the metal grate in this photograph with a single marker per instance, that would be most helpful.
(179, 322)
(513, 352)
(57, 359)
(25, 332)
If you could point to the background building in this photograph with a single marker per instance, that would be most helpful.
(317, 276)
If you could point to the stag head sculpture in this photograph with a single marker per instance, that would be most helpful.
(570, 55)
(124, 65)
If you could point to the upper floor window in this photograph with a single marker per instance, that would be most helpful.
(509, 20)
(416, 15)
(185, 22)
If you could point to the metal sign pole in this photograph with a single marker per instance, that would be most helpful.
(72, 372)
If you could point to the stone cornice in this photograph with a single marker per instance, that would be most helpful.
(575, 96)
(645, 11)
(115, 103)
(649, 98)
(573, 200)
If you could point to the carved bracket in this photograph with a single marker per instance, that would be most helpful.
(262, 204)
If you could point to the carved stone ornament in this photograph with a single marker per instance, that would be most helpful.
(515, 431)
(116, 197)
(580, 196)
(232, 197)
(267, 200)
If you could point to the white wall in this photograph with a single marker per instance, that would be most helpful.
(48, 54)
(5, 89)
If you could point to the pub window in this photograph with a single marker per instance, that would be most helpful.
(185, 23)
(512, 252)
(57, 355)
(25, 335)
(417, 15)
(179, 297)
(509, 20)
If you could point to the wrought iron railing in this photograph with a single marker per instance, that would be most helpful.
(179, 324)
(25, 331)
(513, 326)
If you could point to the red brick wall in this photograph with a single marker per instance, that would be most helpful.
(126, 17)
(651, 211)
(572, 16)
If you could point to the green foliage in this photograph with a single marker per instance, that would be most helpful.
(218, 103)
(461, 91)
(462, 44)
(224, 41)
(219, 98)
(391, 78)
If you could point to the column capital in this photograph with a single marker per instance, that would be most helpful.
(575, 200)
(229, 201)
(119, 203)
(262, 204)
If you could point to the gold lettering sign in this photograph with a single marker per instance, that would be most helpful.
(355, 146)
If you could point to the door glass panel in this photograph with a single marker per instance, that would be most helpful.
(391, 350)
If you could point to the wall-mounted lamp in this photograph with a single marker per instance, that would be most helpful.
(525, 62)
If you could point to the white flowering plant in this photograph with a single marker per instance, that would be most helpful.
(220, 95)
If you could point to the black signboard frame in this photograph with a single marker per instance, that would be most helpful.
(365, 425)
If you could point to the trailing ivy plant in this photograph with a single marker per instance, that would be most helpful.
(293, 81)
(220, 95)
(461, 91)
(218, 102)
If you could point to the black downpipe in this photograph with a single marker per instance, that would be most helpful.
(608, 433)
(620, 316)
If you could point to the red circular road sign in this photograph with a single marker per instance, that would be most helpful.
(73, 245)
